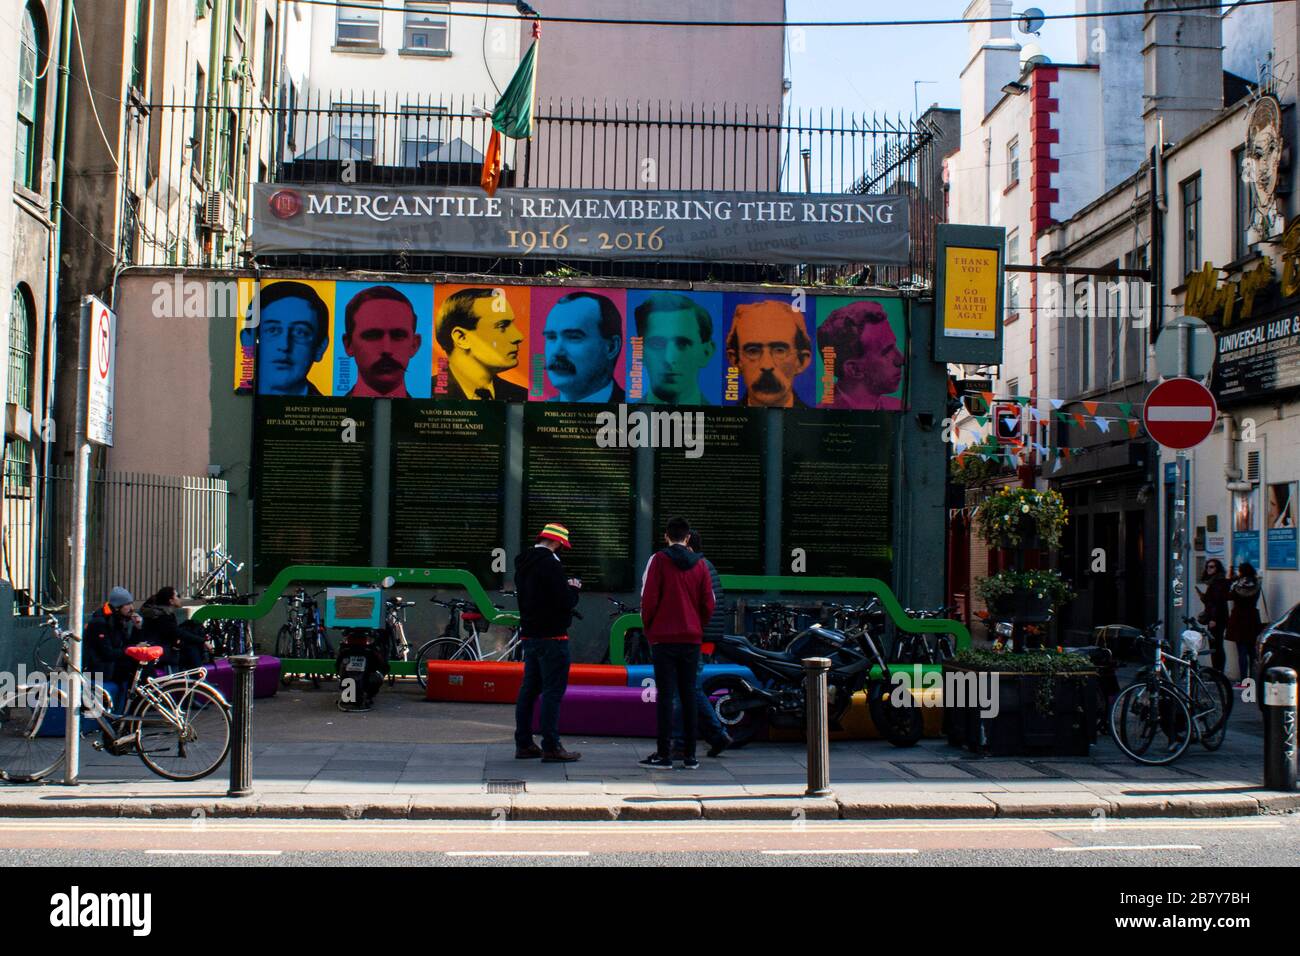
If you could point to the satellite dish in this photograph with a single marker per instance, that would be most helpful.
(1032, 55)
(1032, 20)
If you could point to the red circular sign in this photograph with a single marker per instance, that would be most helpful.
(105, 343)
(285, 203)
(1180, 413)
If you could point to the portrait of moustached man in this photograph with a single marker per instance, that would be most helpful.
(769, 345)
(478, 332)
(866, 361)
(582, 341)
(677, 349)
(288, 328)
(380, 336)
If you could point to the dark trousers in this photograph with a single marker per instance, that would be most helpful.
(709, 727)
(546, 675)
(1218, 659)
(1246, 659)
(675, 670)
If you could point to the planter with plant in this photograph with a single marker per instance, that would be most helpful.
(1043, 702)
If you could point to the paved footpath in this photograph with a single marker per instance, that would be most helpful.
(412, 759)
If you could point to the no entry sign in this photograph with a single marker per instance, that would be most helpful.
(1180, 413)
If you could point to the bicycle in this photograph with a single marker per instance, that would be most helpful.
(1155, 719)
(909, 648)
(178, 725)
(398, 648)
(303, 635)
(636, 649)
(459, 640)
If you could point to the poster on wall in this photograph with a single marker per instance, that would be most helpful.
(721, 491)
(861, 353)
(576, 346)
(836, 493)
(675, 347)
(769, 351)
(284, 342)
(568, 478)
(312, 481)
(1281, 518)
(383, 339)
(448, 474)
(481, 342)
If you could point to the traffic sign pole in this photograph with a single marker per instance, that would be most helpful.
(77, 586)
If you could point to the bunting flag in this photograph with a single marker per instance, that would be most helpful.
(513, 114)
(952, 388)
(1091, 408)
(1133, 429)
(1079, 420)
(1056, 402)
(1035, 415)
(1103, 424)
(1126, 409)
(1057, 467)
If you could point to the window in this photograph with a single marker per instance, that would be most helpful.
(421, 132)
(357, 26)
(1012, 310)
(140, 50)
(1137, 305)
(30, 97)
(427, 26)
(268, 56)
(17, 464)
(1013, 387)
(1084, 297)
(1245, 206)
(1191, 192)
(1013, 162)
(354, 126)
(199, 133)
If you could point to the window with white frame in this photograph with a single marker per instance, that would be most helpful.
(1013, 161)
(357, 24)
(1013, 278)
(427, 26)
(422, 132)
(354, 126)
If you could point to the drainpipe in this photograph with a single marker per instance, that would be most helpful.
(52, 287)
(228, 97)
(212, 121)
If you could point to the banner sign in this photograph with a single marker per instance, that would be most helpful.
(1258, 359)
(969, 294)
(598, 344)
(658, 225)
(1282, 526)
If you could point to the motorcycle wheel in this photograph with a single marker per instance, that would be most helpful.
(895, 714)
(741, 726)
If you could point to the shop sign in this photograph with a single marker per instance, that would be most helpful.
(1258, 359)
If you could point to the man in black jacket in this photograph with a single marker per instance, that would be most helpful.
(546, 598)
(108, 634)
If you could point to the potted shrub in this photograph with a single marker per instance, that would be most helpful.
(1025, 596)
(1022, 517)
(1045, 703)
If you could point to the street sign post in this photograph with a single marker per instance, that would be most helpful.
(103, 359)
(1185, 348)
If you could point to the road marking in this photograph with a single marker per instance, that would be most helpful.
(518, 853)
(216, 852)
(833, 852)
(1152, 846)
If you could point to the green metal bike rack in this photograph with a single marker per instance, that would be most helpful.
(782, 583)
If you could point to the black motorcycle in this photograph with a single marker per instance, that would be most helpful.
(779, 700)
(362, 665)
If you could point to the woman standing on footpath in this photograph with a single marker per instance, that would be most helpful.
(1215, 615)
(1244, 622)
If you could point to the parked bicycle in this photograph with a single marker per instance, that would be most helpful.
(303, 635)
(636, 649)
(395, 608)
(1173, 702)
(459, 640)
(178, 725)
(910, 648)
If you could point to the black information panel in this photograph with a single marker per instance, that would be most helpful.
(447, 485)
(1257, 360)
(720, 492)
(312, 474)
(570, 479)
(836, 492)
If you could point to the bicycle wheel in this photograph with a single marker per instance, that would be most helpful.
(285, 644)
(31, 733)
(1150, 723)
(197, 747)
(1212, 699)
(442, 649)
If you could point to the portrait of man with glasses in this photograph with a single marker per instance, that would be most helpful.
(770, 347)
(288, 326)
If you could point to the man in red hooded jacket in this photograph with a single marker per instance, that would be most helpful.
(676, 603)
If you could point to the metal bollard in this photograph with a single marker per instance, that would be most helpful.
(819, 748)
(1279, 728)
(241, 730)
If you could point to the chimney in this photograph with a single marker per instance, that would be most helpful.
(1182, 57)
(994, 56)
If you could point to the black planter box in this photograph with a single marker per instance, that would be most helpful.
(1020, 728)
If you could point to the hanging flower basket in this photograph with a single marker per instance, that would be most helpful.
(1023, 517)
(1029, 597)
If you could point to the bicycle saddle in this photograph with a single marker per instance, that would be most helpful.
(146, 654)
(471, 616)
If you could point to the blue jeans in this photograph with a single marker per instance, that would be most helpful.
(546, 675)
(676, 674)
(710, 728)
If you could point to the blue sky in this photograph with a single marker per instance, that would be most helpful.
(866, 69)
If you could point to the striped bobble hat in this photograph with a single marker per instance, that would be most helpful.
(556, 532)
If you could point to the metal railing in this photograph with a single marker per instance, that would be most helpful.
(145, 532)
(386, 139)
